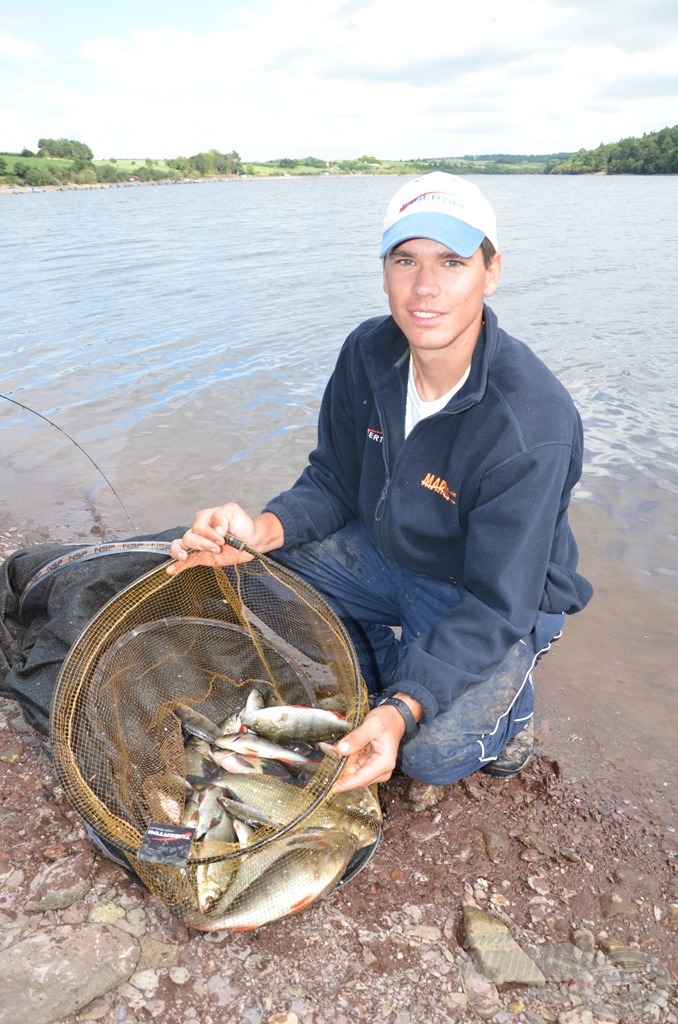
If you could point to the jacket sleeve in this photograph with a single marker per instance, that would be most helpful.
(325, 497)
(512, 531)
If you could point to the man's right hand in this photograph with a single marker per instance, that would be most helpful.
(203, 543)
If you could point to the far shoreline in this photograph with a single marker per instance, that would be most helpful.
(8, 190)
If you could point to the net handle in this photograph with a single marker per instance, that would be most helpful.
(235, 542)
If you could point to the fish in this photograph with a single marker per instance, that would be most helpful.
(231, 724)
(253, 745)
(229, 761)
(195, 752)
(196, 724)
(212, 880)
(244, 832)
(357, 811)
(165, 796)
(256, 699)
(244, 779)
(295, 722)
(282, 878)
(244, 813)
(274, 797)
(208, 813)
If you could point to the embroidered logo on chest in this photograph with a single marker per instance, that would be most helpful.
(375, 435)
(435, 483)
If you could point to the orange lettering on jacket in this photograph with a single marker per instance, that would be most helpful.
(435, 483)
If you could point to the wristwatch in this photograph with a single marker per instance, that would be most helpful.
(411, 724)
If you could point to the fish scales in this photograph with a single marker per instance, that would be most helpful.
(281, 880)
(291, 722)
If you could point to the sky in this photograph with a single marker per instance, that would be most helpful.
(336, 79)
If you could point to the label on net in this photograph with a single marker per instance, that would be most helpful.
(166, 844)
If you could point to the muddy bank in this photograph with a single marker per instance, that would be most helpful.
(551, 897)
(533, 900)
(606, 693)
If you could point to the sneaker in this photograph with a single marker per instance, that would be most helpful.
(515, 756)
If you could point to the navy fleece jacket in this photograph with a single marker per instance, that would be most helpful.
(477, 495)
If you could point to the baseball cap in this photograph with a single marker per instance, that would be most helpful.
(442, 207)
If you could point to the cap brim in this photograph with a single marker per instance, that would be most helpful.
(459, 237)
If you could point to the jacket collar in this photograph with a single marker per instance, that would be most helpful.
(386, 359)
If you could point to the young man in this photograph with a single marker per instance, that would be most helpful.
(436, 501)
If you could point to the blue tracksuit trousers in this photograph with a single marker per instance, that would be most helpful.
(371, 595)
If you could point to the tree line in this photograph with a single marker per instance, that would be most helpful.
(654, 153)
(83, 170)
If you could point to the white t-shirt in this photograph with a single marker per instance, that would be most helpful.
(417, 409)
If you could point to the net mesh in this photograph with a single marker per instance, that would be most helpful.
(205, 639)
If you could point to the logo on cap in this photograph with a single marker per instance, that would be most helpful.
(441, 197)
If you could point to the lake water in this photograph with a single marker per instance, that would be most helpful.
(183, 334)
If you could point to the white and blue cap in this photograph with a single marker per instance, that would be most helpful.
(442, 207)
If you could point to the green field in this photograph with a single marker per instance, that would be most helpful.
(32, 161)
(126, 167)
(132, 165)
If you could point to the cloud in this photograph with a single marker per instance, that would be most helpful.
(336, 78)
(16, 48)
(633, 26)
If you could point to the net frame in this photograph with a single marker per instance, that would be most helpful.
(133, 608)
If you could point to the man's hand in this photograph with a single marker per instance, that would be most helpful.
(204, 543)
(372, 748)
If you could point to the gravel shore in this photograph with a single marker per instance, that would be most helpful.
(540, 899)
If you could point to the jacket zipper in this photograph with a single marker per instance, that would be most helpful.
(381, 504)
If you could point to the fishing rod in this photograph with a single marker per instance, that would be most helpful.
(99, 470)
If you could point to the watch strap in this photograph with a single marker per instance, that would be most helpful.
(411, 724)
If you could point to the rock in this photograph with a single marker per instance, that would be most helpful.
(95, 1011)
(283, 1018)
(12, 755)
(220, 991)
(14, 880)
(423, 795)
(577, 1016)
(107, 912)
(637, 879)
(621, 955)
(535, 843)
(481, 993)
(134, 922)
(538, 884)
(559, 963)
(146, 981)
(422, 830)
(425, 932)
(495, 845)
(671, 919)
(455, 1000)
(56, 971)
(179, 975)
(496, 953)
(614, 905)
(584, 939)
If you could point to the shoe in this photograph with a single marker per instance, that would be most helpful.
(515, 756)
